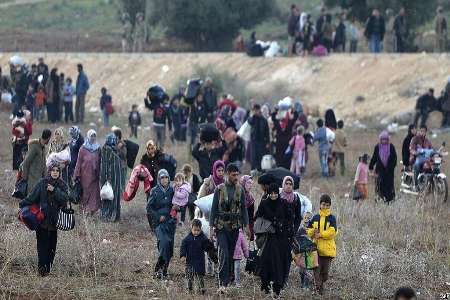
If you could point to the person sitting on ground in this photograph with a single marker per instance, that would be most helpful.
(192, 250)
(323, 229)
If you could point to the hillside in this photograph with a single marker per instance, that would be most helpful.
(388, 83)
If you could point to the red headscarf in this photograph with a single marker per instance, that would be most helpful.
(217, 180)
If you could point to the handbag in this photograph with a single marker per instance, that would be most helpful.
(75, 193)
(107, 193)
(66, 219)
(20, 189)
(356, 194)
(263, 226)
(31, 216)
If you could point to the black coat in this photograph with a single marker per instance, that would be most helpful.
(194, 248)
(259, 129)
(385, 181)
(375, 26)
(153, 164)
(74, 150)
(405, 149)
(425, 103)
(282, 142)
(206, 158)
(274, 259)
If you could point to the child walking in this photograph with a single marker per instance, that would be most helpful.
(193, 248)
(361, 178)
(297, 143)
(240, 251)
(134, 120)
(39, 103)
(340, 143)
(323, 229)
(301, 237)
(180, 198)
(69, 92)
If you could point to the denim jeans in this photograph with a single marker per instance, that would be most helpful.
(105, 118)
(375, 43)
(417, 165)
(323, 158)
(237, 271)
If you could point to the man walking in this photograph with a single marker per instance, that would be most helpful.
(259, 137)
(82, 86)
(400, 31)
(33, 166)
(292, 28)
(440, 25)
(375, 29)
(228, 215)
(424, 106)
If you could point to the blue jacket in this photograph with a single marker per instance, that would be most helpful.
(82, 84)
(159, 202)
(320, 136)
(194, 248)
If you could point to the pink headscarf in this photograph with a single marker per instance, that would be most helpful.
(289, 197)
(384, 149)
(249, 200)
(217, 180)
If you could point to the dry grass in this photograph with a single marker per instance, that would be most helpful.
(379, 247)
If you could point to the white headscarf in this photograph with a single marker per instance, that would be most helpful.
(303, 19)
(88, 143)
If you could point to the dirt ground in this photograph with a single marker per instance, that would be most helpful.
(379, 247)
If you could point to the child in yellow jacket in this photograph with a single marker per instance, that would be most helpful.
(323, 229)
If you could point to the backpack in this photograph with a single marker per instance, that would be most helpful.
(169, 163)
(132, 152)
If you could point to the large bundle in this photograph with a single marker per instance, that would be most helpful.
(192, 90)
(209, 133)
(156, 95)
(276, 176)
(205, 204)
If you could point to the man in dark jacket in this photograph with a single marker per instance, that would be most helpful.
(198, 116)
(400, 31)
(161, 115)
(319, 24)
(293, 27)
(445, 105)
(210, 99)
(42, 69)
(206, 154)
(375, 29)
(259, 138)
(424, 106)
(82, 86)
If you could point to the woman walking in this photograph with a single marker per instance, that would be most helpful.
(273, 260)
(111, 171)
(53, 93)
(152, 159)
(75, 144)
(247, 184)
(384, 160)
(87, 172)
(50, 194)
(159, 205)
(57, 145)
(216, 178)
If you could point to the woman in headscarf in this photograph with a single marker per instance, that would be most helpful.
(159, 204)
(53, 93)
(76, 141)
(247, 184)
(57, 145)
(122, 151)
(293, 214)
(384, 160)
(87, 172)
(406, 143)
(273, 260)
(216, 178)
(50, 194)
(111, 170)
(152, 159)
(283, 129)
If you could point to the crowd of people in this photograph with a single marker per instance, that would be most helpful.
(223, 137)
(389, 33)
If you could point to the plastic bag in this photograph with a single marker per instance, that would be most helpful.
(204, 204)
(244, 132)
(107, 193)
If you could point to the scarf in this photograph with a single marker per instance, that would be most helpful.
(74, 133)
(58, 142)
(384, 150)
(111, 141)
(217, 180)
(89, 143)
(50, 180)
(249, 200)
(289, 197)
